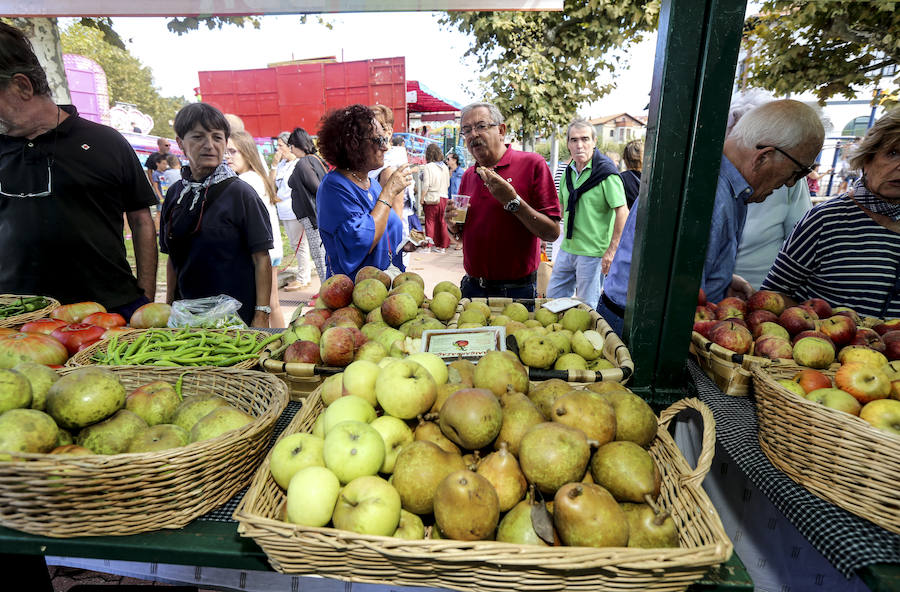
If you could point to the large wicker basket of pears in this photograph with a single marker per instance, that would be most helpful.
(475, 454)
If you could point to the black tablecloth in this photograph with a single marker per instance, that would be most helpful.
(847, 541)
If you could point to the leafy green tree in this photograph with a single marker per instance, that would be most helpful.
(128, 79)
(829, 47)
(540, 66)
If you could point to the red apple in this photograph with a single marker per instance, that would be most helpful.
(811, 380)
(839, 328)
(822, 308)
(731, 336)
(701, 298)
(812, 312)
(818, 334)
(703, 314)
(731, 308)
(773, 347)
(767, 300)
(302, 351)
(359, 338)
(889, 325)
(316, 317)
(704, 327)
(796, 319)
(869, 338)
(865, 383)
(847, 312)
(337, 291)
(892, 348)
(769, 328)
(337, 346)
(813, 352)
(890, 336)
(755, 317)
(352, 313)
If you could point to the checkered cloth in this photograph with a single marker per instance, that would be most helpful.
(223, 513)
(845, 540)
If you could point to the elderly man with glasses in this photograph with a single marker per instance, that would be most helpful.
(772, 145)
(65, 183)
(512, 207)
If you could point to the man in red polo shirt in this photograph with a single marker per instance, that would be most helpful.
(512, 208)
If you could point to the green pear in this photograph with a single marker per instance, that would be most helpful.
(466, 507)
(471, 316)
(635, 420)
(587, 515)
(533, 323)
(538, 352)
(587, 344)
(481, 307)
(576, 319)
(218, 421)
(627, 471)
(516, 311)
(562, 342)
(600, 364)
(443, 305)
(162, 436)
(419, 468)
(497, 372)
(371, 351)
(430, 432)
(193, 408)
(471, 418)
(552, 454)
(570, 362)
(41, 378)
(446, 286)
(112, 435)
(649, 530)
(26, 430)
(588, 412)
(519, 414)
(545, 316)
(546, 393)
(516, 526)
(15, 390)
(502, 470)
(500, 320)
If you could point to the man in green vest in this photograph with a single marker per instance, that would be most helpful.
(593, 202)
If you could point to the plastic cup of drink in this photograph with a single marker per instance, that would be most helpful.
(461, 203)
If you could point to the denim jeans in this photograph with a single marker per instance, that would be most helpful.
(471, 289)
(616, 322)
(580, 275)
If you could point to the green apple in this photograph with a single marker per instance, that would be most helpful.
(499, 320)
(405, 389)
(538, 351)
(388, 337)
(369, 294)
(576, 319)
(516, 311)
(318, 428)
(792, 386)
(332, 388)
(370, 351)
(883, 414)
(443, 305)
(545, 316)
(305, 333)
(410, 527)
(395, 434)
(41, 378)
(373, 329)
(295, 452)
(836, 399)
(587, 344)
(434, 364)
(385, 362)
(218, 421)
(353, 449)
(350, 407)
(413, 289)
(193, 408)
(368, 505)
(311, 496)
(446, 286)
(359, 378)
(472, 317)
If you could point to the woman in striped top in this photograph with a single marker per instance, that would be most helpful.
(847, 250)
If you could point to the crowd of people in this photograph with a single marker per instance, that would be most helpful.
(350, 199)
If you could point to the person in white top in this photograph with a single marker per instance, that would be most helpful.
(282, 167)
(243, 157)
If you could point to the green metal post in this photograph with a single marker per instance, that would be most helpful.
(692, 83)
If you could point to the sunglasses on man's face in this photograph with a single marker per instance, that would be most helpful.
(797, 175)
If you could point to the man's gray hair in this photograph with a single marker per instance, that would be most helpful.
(496, 116)
(784, 123)
(581, 122)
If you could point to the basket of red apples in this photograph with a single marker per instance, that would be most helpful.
(836, 431)
(733, 335)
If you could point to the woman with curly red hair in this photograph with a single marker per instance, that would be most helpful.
(358, 229)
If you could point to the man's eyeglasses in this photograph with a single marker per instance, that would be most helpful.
(381, 141)
(478, 127)
(804, 169)
(42, 193)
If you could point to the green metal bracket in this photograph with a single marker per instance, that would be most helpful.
(692, 82)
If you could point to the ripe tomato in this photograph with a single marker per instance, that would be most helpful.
(75, 313)
(7, 331)
(107, 320)
(31, 347)
(45, 326)
(75, 334)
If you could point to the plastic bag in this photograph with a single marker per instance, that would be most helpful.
(214, 312)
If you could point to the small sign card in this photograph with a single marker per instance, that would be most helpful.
(561, 304)
(465, 343)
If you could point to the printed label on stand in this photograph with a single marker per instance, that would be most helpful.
(561, 304)
(465, 343)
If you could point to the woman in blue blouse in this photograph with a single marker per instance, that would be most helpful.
(358, 229)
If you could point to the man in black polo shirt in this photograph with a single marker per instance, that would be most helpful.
(64, 184)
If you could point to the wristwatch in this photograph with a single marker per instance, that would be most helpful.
(513, 204)
(265, 309)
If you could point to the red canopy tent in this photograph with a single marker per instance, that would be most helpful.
(427, 102)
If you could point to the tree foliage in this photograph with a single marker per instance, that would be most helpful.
(541, 66)
(128, 79)
(829, 47)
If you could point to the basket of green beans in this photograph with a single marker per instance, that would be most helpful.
(18, 310)
(233, 348)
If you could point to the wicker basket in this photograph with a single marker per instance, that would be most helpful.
(835, 455)
(488, 566)
(85, 356)
(729, 370)
(67, 496)
(28, 316)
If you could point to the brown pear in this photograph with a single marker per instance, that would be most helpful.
(519, 414)
(635, 420)
(443, 393)
(553, 454)
(587, 515)
(502, 469)
(546, 393)
(627, 471)
(466, 507)
(471, 418)
(587, 412)
(649, 530)
(516, 526)
(420, 467)
(461, 372)
(428, 430)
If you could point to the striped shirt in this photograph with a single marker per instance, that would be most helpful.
(837, 253)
